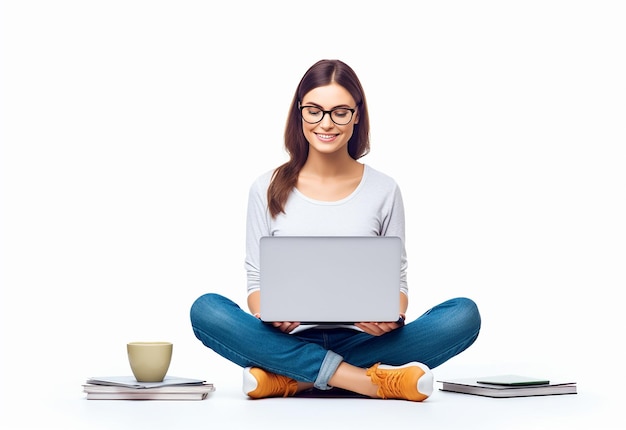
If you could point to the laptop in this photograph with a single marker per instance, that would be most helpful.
(330, 279)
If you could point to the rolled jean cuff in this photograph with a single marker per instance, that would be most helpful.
(327, 370)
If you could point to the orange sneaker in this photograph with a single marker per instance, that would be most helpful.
(257, 383)
(412, 381)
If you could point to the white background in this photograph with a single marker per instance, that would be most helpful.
(131, 130)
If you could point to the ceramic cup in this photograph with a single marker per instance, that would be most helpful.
(149, 361)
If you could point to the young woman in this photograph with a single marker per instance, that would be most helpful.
(323, 190)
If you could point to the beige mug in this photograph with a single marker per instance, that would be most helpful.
(149, 361)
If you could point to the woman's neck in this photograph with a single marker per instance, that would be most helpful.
(331, 166)
(329, 181)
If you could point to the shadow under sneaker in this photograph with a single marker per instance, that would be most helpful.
(412, 381)
(258, 384)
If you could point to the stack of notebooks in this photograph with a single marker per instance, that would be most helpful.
(508, 386)
(127, 388)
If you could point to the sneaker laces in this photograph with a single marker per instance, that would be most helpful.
(272, 384)
(283, 383)
(390, 380)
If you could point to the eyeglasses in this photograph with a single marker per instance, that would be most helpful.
(313, 114)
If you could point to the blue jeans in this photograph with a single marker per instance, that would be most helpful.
(313, 355)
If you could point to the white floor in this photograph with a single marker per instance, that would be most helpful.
(61, 405)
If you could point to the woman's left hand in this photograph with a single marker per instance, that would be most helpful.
(380, 328)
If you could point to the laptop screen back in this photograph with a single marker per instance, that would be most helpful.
(330, 280)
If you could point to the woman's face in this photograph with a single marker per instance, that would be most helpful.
(326, 136)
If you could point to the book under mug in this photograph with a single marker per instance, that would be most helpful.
(128, 388)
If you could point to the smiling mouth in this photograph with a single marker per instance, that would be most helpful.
(326, 136)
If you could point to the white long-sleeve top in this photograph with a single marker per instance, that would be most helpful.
(374, 208)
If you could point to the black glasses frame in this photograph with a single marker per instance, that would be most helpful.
(329, 112)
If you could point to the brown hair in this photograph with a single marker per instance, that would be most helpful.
(320, 74)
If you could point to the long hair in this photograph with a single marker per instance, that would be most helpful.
(322, 73)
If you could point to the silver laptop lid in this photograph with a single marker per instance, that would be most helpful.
(327, 280)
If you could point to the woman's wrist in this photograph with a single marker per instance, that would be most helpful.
(400, 321)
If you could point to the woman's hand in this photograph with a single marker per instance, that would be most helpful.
(285, 326)
(380, 328)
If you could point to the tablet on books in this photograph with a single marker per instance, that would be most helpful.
(512, 380)
(330, 279)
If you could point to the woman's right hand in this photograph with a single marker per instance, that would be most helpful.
(285, 326)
